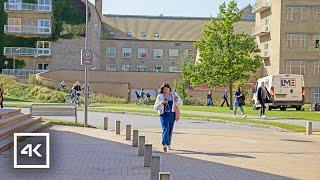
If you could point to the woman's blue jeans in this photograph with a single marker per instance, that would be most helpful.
(167, 122)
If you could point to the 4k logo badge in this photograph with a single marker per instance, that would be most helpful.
(33, 152)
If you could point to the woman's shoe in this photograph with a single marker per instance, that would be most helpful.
(169, 147)
(165, 148)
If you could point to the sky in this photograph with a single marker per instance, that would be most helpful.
(193, 8)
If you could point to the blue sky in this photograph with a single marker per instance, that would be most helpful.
(197, 8)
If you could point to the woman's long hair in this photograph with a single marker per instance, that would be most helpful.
(167, 85)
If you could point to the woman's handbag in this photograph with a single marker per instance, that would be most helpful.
(177, 112)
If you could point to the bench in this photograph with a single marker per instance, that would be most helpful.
(54, 109)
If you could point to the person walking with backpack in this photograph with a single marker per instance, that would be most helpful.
(263, 98)
(168, 104)
(239, 102)
(209, 99)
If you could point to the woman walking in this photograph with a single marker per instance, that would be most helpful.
(263, 98)
(167, 104)
(1, 95)
(239, 102)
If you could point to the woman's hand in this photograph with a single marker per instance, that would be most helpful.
(163, 102)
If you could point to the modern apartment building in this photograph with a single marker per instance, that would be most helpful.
(288, 34)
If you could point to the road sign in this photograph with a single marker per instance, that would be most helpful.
(86, 57)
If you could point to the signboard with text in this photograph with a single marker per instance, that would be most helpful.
(86, 57)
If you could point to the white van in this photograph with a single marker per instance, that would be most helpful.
(287, 91)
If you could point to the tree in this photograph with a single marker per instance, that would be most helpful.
(226, 57)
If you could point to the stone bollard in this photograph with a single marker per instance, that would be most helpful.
(117, 127)
(147, 155)
(309, 128)
(164, 176)
(142, 140)
(135, 138)
(128, 132)
(105, 123)
(155, 167)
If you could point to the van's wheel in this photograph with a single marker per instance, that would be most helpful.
(283, 108)
(299, 108)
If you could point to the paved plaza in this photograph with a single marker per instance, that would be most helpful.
(201, 150)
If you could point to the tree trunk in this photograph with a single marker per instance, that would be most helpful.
(231, 95)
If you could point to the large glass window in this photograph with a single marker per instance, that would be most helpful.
(317, 67)
(126, 68)
(142, 68)
(142, 53)
(43, 66)
(296, 41)
(318, 14)
(158, 54)
(44, 26)
(316, 93)
(15, 4)
(189, 54)
(174, 69)
(112, 52)
(14, 24)
(44, 5)
(43, 48)
(111, 67)
(295, 67)
(296, 13)
(157, 68)
(173, 53)
(126, 53)
(129, 34)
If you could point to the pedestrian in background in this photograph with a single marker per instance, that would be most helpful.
(209, 99)
(263, 98)
(1, 94)
(239, 102)
(225, 98)
(168, 104)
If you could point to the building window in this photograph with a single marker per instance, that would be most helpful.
(295, 67)
(316, 93)
(296, 41)
(126, 53)
(112, 67)
(177, 44)
(156, 35)
(189, 54)
(143, 34)
(43, 66)
(43, 48)
(15, 4)
(317, 43)
(142, 53)
(129, 34)
(142, 68)
(318, 14)
(111, 33)
(44, 5)
(112, 52)
(173, 53)
(14, 24)
(158, 54)
(157, 68)
(174, 69)
(296, 13)
(317, 67)
(126, 68)
(44, 26)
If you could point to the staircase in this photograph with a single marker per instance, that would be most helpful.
(13, 121)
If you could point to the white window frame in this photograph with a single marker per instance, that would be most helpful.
(44, 5)
(318, 14)
(174, 53)
(317, 67)
(14, 24)
(156, 54)
(290, 13)
(42, 28)
(112, 67)
(289, 40)
(316, 94)
(43, 48)
(43, 66)
(141, 52)
(15, 4)
(174, 69)
(156, 68)
(126, 55)
(292, 38)
(142, 68)
(189, 54)
(304, 12)
(110, 53)
(290, 65)
(126, 67)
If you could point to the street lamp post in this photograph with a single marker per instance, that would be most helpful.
(86, 73)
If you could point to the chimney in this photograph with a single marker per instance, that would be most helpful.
(98, 5)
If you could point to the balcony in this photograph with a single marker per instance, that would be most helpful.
(24, 51)
(27, 7)
(261, 6)
(22, 73)
(261, 30)
(27, 30)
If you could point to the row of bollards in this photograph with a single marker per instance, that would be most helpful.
(143, 150)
